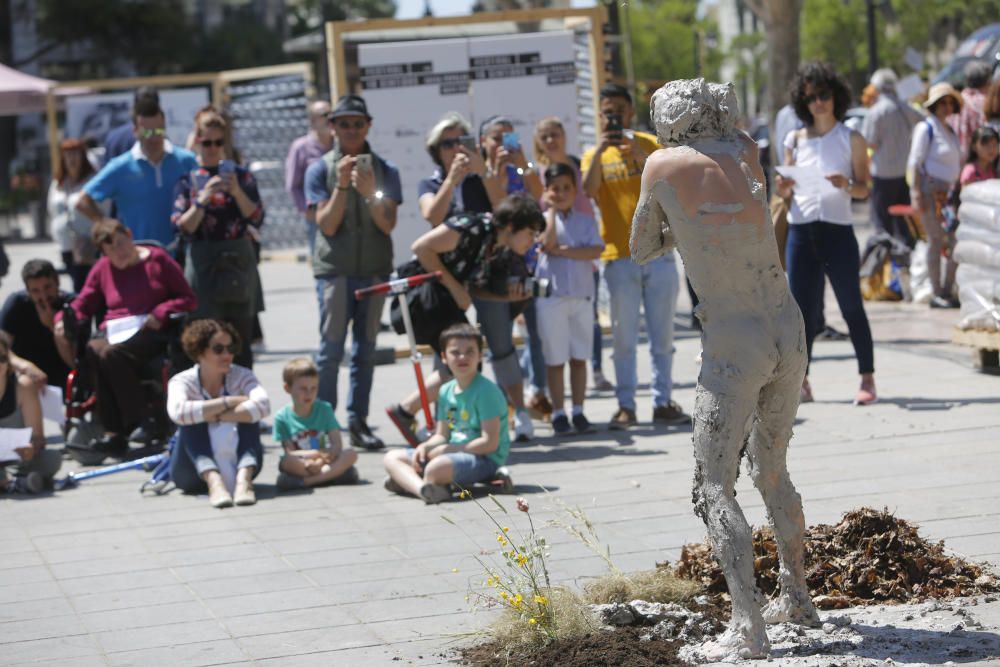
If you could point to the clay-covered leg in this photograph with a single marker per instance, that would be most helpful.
(767, 450)
(721, 422)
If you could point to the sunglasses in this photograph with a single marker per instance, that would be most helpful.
(207, 143)
(449, 143)
(822, 96)
(219, 348)
(348, 125)
(150, 133)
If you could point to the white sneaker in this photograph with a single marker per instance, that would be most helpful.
(523, 430)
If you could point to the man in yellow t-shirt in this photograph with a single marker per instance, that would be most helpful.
(612, 176)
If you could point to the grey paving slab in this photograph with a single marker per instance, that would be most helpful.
(51, 650)
(299, 642)
(139, 579)
(279, 622)
(192, 655)
(140, 597)
(158, 636)
(144, 617)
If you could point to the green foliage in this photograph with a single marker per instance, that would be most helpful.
(309, 15)
(835, 30)
(152, 34)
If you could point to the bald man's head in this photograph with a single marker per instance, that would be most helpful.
(318, 112)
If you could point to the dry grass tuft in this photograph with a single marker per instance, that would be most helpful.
(571, 617)
(659, 585)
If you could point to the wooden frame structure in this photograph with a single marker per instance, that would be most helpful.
(217, 81)
(597, 16)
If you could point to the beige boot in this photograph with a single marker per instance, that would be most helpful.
(244, 494)
(218, 495)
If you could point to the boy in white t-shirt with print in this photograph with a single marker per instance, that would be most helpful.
(308, 431)
(570, 243)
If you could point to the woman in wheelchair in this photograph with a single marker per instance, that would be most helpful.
(217, 406)
(139, 287)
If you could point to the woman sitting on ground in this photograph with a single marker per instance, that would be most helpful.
(21, 408)
(217, 405)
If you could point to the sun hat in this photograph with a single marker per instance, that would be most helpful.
(350, 105)
(939, 91)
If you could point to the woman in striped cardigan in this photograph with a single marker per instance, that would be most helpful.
(217, 406)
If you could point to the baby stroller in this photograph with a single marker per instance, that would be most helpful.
(83, 432)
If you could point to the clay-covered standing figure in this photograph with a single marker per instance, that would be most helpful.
(705, 193)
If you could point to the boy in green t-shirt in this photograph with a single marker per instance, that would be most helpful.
(310, 435)
(470, 441)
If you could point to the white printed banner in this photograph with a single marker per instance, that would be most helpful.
(409, 86)
(96, 115)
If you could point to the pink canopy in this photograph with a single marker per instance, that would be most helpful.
(23, 93)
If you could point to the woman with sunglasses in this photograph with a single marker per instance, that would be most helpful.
(217, 207)
(934, 165)
(217, 406)
(820, 233)
(459, 182)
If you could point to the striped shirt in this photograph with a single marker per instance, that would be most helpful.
(888, 126)
(186, 397)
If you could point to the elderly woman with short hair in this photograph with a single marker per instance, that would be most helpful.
(459, 183)
(217, 406)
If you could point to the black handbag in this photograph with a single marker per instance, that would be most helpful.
(432, 308)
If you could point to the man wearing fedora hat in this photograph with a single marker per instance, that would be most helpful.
(355, 194)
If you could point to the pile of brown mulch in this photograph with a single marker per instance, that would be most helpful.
(870, 557)
(604, 647)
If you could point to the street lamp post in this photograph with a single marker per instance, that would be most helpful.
(872, 43)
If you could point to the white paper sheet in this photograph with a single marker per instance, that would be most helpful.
(121, 329)
(809, 181)
(12, 439)
(52, 404)
(909, 87)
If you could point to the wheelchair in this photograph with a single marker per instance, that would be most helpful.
(83, 432)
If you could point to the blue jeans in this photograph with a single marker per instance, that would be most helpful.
(532, 358)
(653, 287)
(338, 309)
(595, 359)
(496, 323)
(817, 248)
(192, 456)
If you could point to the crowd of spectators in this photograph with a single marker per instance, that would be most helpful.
(163, 238)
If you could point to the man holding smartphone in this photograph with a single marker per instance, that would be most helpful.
(612, 176)
(355, 194)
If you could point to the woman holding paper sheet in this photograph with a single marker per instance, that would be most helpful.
(820, 234)
(140, 287)
(20, 409)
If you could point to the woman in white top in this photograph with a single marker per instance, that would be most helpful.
(820, 234)
(935, 164)
(71, 228)
(217, 405)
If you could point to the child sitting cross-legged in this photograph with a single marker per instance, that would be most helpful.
(470, 441)
(310, 434)
(570, 243)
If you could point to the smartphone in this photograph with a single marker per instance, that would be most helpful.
(613, 125)
(201, 177)
(468, 143)
(364, 162)
(511, 142)
(227, 167)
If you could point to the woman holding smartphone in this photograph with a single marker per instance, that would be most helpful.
(215, 207)
(459, 183)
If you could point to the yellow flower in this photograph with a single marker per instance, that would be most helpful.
(522, 560)
(489, 582)
(454, 569)
(532, 621)
(506, 529)
(501, 540)
(518, 599)
(465, 494)
(503, 595)
(540, 599)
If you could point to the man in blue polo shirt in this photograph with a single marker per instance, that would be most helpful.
(141, 182)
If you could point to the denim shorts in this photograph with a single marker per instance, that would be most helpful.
(467, 469)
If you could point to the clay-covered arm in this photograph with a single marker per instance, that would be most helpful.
(651, 237)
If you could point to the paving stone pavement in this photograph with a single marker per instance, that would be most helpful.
(351, 575)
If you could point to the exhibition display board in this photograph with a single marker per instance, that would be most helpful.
(524, 65)
(409, 86)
